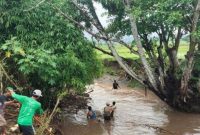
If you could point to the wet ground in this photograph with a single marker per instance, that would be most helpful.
(135, 114)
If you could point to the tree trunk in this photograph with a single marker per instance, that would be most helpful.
(178, 39)
(123, 64)
(198, 46)
(172, 53)
(146, 65)
(190, 54)
(173, 59)
(104, 37)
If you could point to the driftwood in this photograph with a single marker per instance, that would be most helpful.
(14, 128)
(46, 123)
(11, 114)
(77, 96)
(158, 129)
(89, 91)
(49, 130)
(7, 76)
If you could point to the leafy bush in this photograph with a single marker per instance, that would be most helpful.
(44, 50)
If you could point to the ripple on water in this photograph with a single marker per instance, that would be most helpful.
(135, 115)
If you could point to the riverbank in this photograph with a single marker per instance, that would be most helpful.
(136, 113)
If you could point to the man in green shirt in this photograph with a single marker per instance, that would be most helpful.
(29, 107)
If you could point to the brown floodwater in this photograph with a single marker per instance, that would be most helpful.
(135, 114)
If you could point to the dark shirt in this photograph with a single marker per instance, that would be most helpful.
(2, 105)
(115, 85)
(92, 115)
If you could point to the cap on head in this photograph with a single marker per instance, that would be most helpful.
(37, 93)
(107, 103)
(9, 88)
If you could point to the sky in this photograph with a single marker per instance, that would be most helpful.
(104, 19)
(100, 10)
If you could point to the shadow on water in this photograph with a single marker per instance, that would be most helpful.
(135, 114)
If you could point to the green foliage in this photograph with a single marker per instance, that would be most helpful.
(50, 52)
(110, 70)
(135, 84)
(151, 17)
(75, 67)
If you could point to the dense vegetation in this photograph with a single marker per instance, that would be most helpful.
(163, 72)
(42, 44)
(41, 50)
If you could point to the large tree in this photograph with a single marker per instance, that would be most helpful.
(170, 20)
(164, 74)
(41, 50)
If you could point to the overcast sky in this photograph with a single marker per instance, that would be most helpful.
(100, 11)
(103, 19)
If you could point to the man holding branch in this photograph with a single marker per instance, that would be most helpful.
(29, 107)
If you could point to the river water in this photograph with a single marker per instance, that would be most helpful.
(136, 114)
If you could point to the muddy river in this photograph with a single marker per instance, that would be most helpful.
(136, 114)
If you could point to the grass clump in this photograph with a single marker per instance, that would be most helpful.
(134, 84)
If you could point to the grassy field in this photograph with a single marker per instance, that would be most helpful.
(124, 52)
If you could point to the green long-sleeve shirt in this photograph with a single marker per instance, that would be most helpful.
(29, 107)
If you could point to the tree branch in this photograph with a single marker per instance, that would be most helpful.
(177, 40)
(104, 37)
(100, 27)
(8, 77)
(190, 54)
(34, 7)
(85, 13)
(148, 69)
(126, 45)
(77, 23)
(100, 49)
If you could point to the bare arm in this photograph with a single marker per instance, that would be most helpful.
(118, 86)
(9, 103)
(17, 97)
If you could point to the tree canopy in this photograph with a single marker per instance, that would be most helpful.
(45, 40)
(169, 21)
(42, 50)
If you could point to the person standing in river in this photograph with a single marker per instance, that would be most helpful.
(107, 112)
(115, 85)
(91, 114)
(29, 107)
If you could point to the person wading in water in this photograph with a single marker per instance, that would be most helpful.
(115, 85)
(91, 114)
(107, 112)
